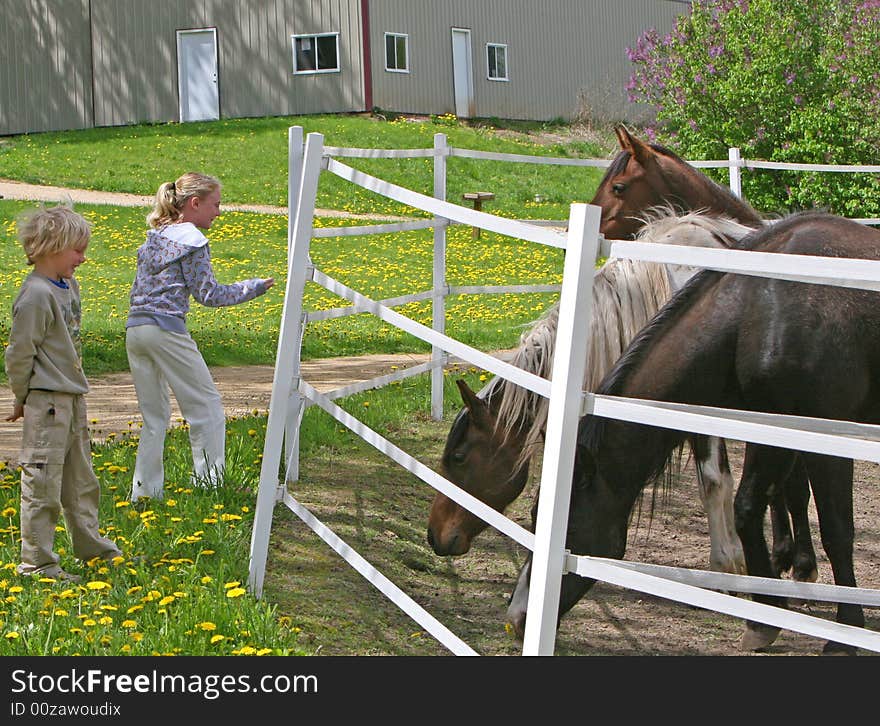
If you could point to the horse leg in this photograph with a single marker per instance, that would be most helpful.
(782, 554)
(716, 492)
(831, 480)
(763, 468)
(797, 501)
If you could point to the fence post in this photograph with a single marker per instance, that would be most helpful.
(294, 409)
(735, 171)
(566, 392)
(286, 362)
(438, 300)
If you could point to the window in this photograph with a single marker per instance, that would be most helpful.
(316, 53)
(496, 60)
(396, 53)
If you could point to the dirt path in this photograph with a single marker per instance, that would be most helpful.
(37, 192)
(112, 402)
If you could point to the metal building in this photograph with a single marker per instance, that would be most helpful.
(69, 64)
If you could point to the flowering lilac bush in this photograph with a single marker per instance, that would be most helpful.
(797, 81)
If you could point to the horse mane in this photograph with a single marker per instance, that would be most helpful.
(663, 219)
(626, 294)
(592, 429)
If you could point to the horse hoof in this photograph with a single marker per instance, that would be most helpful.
(810, 576)
(758, 636)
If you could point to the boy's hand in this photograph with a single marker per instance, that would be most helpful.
(17, 412)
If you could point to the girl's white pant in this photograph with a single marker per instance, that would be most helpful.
(159, 359)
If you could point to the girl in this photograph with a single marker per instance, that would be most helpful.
(174, 263)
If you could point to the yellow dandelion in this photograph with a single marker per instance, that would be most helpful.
(236, 592)
(207, 625)
(217, 638)
(124, 503)
(128, 624)
(8, 512)
(167, 600)
(206, 579)
(234, 583)
(19, 588)
(11, 635)
(61, 612)
(98, 585)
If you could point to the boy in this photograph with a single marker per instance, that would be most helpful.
(44, 366)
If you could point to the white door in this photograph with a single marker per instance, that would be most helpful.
(197, 74)
(463, 73)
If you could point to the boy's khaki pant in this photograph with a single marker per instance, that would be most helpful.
(56, 475)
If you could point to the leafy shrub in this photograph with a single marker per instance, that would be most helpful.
(791, 82)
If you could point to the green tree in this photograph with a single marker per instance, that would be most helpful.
(794, 82)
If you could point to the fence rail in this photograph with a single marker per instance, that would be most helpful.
(567, 402)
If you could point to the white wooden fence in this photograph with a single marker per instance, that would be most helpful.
(567, 403)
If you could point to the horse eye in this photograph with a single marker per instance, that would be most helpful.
(458, 457)
(618, 187)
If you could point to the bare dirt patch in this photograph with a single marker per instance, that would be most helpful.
(112, 402)
(382, 512)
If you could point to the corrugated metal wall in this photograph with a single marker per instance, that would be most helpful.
(77, 63)
(54, 60)
(135, 52)
(45, 65)
(556, 51)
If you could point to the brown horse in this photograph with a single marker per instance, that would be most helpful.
(488, 450)
(645, 175)
(825, 362)
(493, 438)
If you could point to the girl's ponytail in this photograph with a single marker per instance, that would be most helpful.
(171, 197)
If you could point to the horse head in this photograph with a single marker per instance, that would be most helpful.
(633, 183)
(485, 461)
(645, 175)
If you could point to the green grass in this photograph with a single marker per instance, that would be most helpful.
(250, 157)
(245, 245)
(181, 589)
(187, 595)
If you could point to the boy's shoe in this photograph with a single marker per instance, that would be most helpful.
(54, 571)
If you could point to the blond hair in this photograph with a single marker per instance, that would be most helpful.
(48, 230)
(172, 196)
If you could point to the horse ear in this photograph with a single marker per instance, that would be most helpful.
(641, 151)
(478, 408)
(623, 137)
